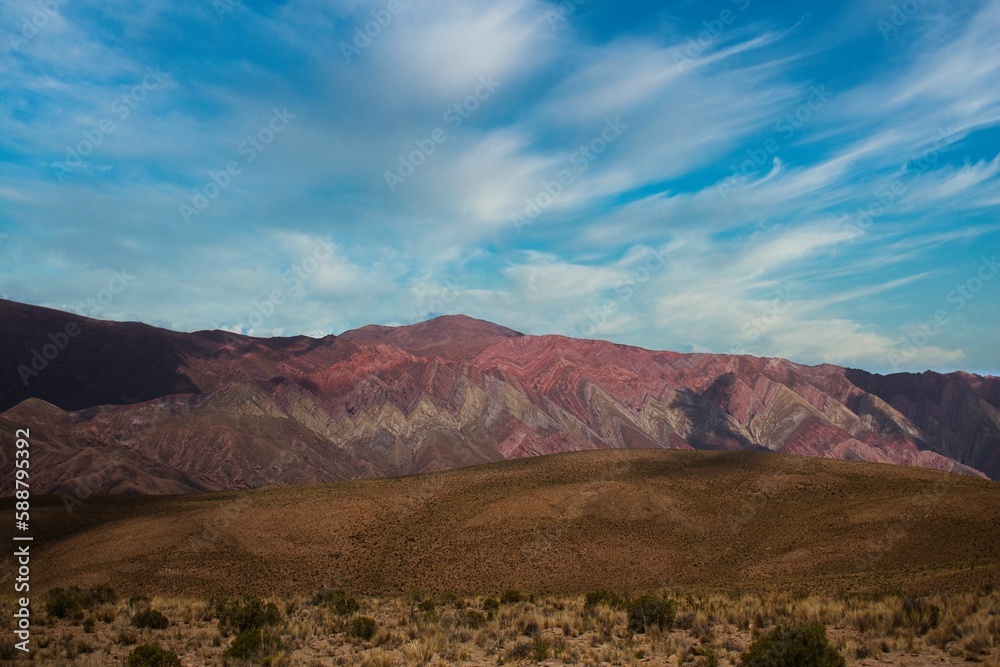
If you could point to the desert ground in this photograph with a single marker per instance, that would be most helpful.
(898, 564)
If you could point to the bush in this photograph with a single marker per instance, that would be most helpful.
(73, 601)
(249, 613)
(253, 644)
(470, 618)
(150, 618)
(426, 605)
(99, 594)
(921, 615)
(338, 601)
(362, 628)
(795, 646)
(647, 610)
(491, 605)
(62, 603)
(511, 596)
(601, 596)
(150, 655)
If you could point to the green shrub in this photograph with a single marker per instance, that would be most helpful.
(793, 646)
(921, 615)
(98, 595)
(62, 603)
(647, 611)
(253, 645)
(73, 601)
(337, 601)
(491, 605)
(150, 655)
(602, 596)
(150, 618)
(511, 596)
(363, 628)
(470, 618)
(248, 613)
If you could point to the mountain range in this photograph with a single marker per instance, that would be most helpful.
(117, 407)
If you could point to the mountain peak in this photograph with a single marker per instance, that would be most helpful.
(456, 337)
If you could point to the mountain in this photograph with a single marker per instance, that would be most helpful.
(631, 520)
(129, 408)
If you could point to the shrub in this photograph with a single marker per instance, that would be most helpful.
(491, 605)
(62, 603)
(99, 594)
(470, 618)
(338, 601)
(795, 646)
(249, 613)
(647, 610)
(426, 605)
(150, 618)
(601, 596)
(363, 628)
(511, 596)
(253, 644)
(150, 655)
(921, 615)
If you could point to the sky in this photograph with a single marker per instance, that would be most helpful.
(816, 180)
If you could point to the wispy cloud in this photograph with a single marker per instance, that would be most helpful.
(799, 169)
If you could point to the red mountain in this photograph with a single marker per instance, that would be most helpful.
(129, 408)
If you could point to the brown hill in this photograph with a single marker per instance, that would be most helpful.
(128, 408)
(630, 520)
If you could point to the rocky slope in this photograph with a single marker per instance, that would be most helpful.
(129, 408)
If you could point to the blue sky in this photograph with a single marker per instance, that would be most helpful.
(817, 181)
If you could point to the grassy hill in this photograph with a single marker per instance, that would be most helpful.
(629, 520)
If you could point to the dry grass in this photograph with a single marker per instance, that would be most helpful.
(553, 630)
(689, 520)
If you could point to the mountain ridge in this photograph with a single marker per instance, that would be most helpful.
(158, 411)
